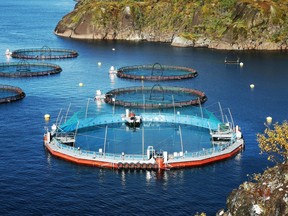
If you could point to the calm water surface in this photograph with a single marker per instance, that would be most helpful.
(34, 183)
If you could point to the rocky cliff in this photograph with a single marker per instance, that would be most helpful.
(219, 24)
(266, 196)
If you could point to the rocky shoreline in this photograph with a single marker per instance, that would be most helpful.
(265, 196)
(177, 41)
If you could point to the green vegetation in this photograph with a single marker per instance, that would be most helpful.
(216, 19)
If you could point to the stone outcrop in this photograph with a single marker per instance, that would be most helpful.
(256, 25)
(265, 197)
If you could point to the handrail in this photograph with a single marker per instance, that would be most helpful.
(136, 157)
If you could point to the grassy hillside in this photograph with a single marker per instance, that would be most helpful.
(226, 20)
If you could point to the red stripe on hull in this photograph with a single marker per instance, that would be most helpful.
(81, 161)
(192, 163)
(204, 161)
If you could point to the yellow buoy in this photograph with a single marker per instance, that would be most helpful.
(269, 119)
(81, 84)
(252, 86)
(241, 64)
(47, 117)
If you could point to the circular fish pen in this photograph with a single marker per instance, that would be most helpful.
(164, 140)
(25, 69)
(44, 53)
(155, 97)
(156, 72)
(10, 93)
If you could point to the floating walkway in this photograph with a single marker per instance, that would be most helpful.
(152, 159)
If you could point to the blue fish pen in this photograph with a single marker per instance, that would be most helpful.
(90, 127)
(163, 141)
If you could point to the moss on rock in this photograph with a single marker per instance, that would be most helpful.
(238, 24)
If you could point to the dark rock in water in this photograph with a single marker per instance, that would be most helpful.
(265, 196)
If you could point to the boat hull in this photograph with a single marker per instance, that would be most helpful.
(76, 156)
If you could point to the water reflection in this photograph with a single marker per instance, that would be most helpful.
(8, 57)
(99, 104)
(49, 164)
(232, 67)
(148, 176)
(112, 79)
(153, 176)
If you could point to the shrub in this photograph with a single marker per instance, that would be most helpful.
(274, 142)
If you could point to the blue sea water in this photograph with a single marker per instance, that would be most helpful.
(32, 182)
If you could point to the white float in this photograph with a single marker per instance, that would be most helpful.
(269, 119)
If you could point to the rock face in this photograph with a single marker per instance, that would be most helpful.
(268, 196)
(238, 25)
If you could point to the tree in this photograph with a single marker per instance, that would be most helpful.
(274, 142)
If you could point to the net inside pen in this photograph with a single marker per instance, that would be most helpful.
(155, 97)
(44, 53)
(156, 72)
(10, 93)
(26, 69)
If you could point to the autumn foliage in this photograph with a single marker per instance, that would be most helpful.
(274, 142)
